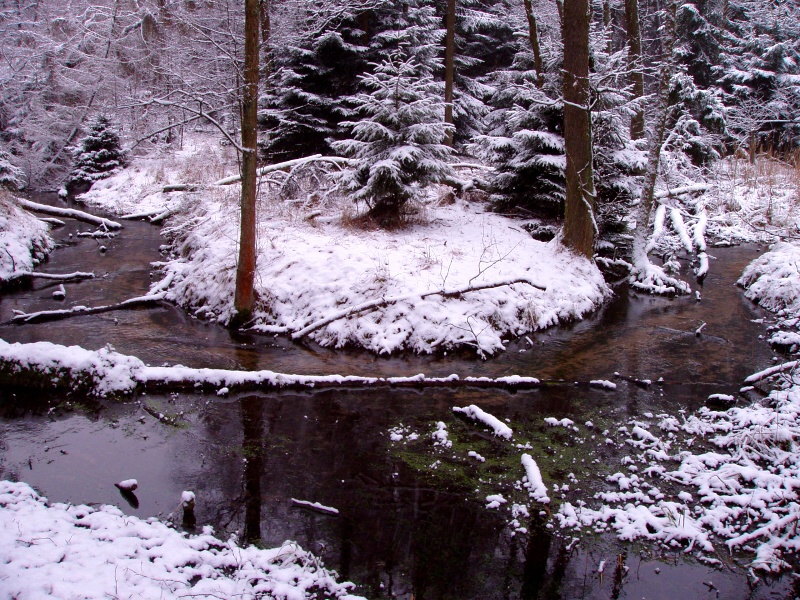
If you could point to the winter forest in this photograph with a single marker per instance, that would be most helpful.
(399, 299)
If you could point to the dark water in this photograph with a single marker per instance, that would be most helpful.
(398, 534)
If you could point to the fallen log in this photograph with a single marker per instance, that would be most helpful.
(72, 213)
(381, 302)
(23, 275)
(77, 311)
(181, 187)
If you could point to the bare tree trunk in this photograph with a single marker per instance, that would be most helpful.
(244, 298)
(266, 33)
(635, 64)
(533, 35)
(449, 67)
(579, 224)
(640, 259)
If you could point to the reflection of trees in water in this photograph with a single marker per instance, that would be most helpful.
(252, 415)
(395, 535)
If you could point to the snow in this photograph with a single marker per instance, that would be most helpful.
(24, 239)
(342, 285)
(128, 485)
(65, 551)
(473, 412)
(534, 483)
(316, 506)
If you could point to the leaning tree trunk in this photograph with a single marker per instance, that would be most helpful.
(533, 36)
(579, 223)
(635, 64)
(244, 298)
(640, 259)
(449, 68)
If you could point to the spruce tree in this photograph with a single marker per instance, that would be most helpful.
(304, 108)
(398, 147)
(98, 155)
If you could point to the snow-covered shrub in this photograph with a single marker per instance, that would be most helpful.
(398, 147)
(24, 240)
(98, 155)
(10, 175)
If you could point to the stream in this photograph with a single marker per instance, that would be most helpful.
(400, 533)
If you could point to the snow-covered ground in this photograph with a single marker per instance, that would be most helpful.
(64, 551)
(24, 239)
(456, 276)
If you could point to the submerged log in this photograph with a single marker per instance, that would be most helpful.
(76, 311)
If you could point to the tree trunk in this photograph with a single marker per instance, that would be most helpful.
(640, 259)
(635, 64)
(449, 67)
(244, 298)
(266, 33)
(533, 35)
(579, 224)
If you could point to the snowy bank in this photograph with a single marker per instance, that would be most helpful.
(44, 365)
(24, 239)
(65, 551)
(455, 277)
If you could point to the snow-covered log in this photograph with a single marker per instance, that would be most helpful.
(68, 212)
(76, 276)
(43, 365)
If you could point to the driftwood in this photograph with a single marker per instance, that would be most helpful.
(52, 221)
(381, 302)
(77, 311)
(68, 212)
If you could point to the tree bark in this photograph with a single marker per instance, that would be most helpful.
(449, 67)
(579, 223)
(533, 36)
(244, 299)
(266, 33)
(635, 64)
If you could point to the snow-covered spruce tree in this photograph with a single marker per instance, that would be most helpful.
(413, 26)
(526, 146)
(10, 175)
(304, 106)
(398, 147)
(98, 155)
(760, 73)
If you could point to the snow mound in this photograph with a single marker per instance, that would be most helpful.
(308, 273)
(65, 551)
(23, 237)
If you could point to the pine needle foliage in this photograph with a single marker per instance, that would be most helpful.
(398, 147)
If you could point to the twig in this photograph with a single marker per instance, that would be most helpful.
(373, 304)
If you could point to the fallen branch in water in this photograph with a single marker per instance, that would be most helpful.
(68, 212)
(77, 311)
(22, 275)
(381, 302)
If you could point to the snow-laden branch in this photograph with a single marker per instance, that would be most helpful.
(68, 212)
(373, 304)
(689, 189)
(287, 165)
(782, 368)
